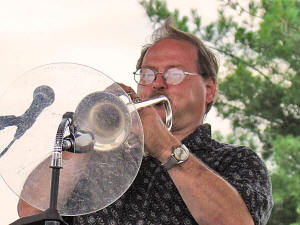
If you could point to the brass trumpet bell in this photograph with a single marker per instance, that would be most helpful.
(108, 118)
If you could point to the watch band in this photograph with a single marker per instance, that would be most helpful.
(170, 163)
(179, 155)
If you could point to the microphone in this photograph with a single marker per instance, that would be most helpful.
(43, 96)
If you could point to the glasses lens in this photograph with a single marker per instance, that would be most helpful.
(174, 76)
(145, 76)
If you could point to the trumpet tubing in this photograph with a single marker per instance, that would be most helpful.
(108, 117)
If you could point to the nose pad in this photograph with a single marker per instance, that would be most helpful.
(159, 82)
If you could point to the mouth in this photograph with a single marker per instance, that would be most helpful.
(159, 104)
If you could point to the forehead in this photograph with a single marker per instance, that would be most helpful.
(171, 51)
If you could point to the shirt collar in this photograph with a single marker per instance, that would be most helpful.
(199, 139)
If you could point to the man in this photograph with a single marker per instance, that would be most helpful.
(188, 178)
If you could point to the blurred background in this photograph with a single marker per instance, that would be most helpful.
(257, 43)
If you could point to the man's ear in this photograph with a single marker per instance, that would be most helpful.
(211, 86)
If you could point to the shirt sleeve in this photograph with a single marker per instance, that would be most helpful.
(245, 171)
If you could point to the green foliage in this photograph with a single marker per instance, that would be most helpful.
(237, 137)
(286, 180)
(259, 90)
(157, 12)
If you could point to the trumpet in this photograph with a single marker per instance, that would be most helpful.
(105, 119)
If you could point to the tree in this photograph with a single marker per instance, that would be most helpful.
(286, 181)
(259, 90)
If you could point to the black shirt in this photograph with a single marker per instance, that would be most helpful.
(153, 198)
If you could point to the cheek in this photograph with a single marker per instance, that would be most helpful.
(195, 90)
(193, 98)
(199, 94)
(143, 92)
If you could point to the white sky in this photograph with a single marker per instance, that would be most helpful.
(106, 35)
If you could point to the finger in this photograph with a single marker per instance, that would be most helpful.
(128, 90)
(148, 112)
(125, 87)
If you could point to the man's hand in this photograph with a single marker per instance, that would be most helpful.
(158, 140)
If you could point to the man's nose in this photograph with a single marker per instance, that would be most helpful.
(159, 83)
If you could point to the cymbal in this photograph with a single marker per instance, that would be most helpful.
(31, 111)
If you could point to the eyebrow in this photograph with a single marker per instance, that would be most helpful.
(170, 66)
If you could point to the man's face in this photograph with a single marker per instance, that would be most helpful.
(189, 98)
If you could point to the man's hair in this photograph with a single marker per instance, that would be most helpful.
(207, 63)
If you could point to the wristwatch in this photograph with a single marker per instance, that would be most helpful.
(179, 155)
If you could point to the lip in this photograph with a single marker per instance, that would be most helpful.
(158, 105)
(160, 109)
(157, 94)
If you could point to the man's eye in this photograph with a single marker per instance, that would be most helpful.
(147, 75)
(176, 75)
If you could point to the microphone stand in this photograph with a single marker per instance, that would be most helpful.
(51, 215)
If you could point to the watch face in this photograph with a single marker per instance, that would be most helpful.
(180, 154)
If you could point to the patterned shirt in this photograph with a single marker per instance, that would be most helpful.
(153, 199)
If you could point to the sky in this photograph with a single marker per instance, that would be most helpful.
(105, 35)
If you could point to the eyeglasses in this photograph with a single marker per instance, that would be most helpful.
(171, 76)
